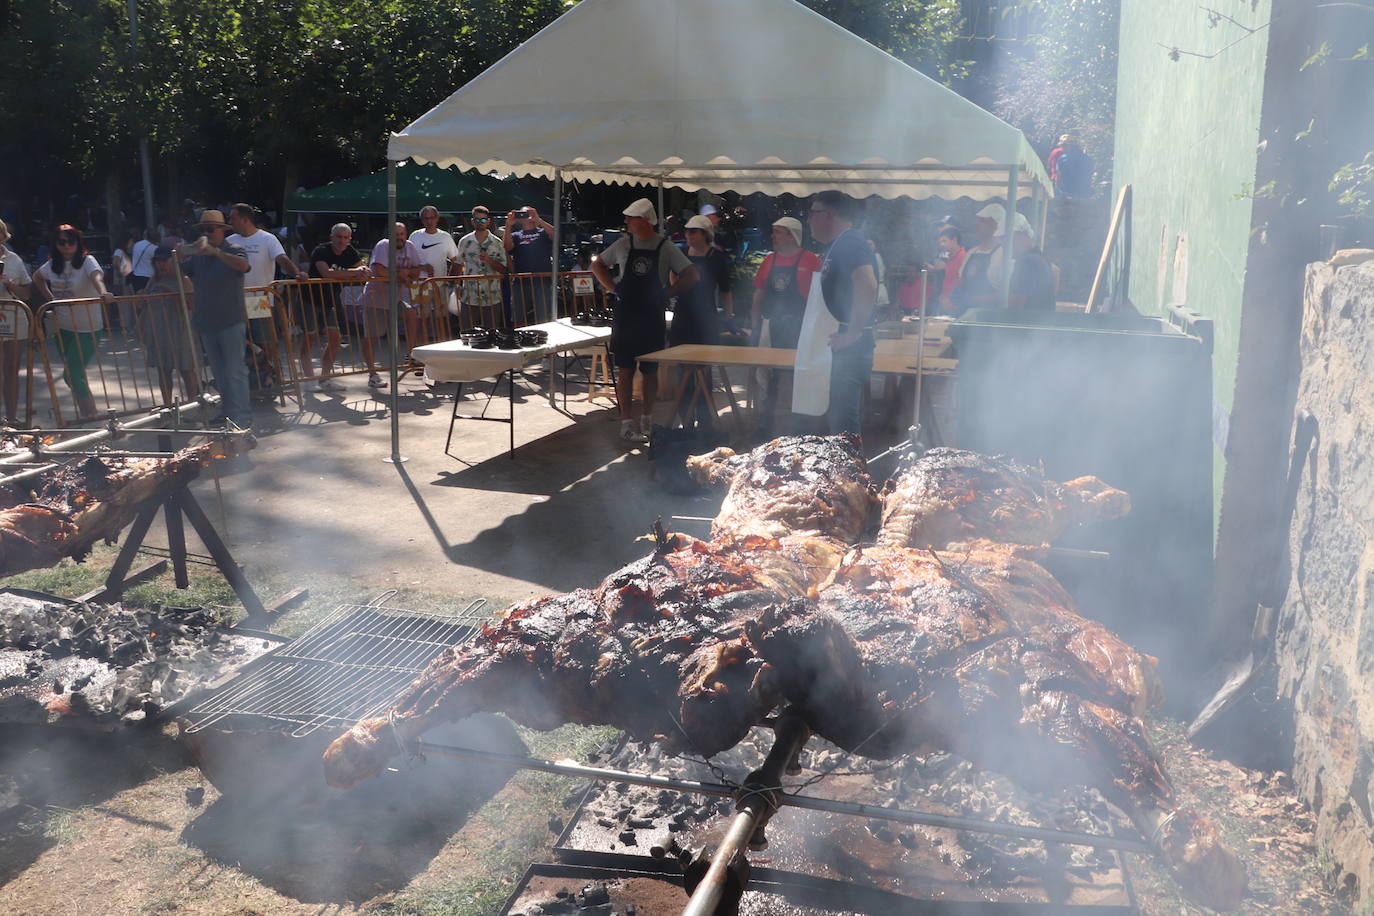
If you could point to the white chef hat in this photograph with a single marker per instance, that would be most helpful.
(702, 223)
(1021, 224)
(995, 212)
(707, 210)
(792, 225)
(643, 208)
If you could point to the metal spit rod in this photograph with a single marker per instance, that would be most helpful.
(759, 798)
(810, 803)
(111, 430)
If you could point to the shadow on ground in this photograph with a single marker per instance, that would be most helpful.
(279, 823)
(46, 771)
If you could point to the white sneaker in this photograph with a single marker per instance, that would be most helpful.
(646, 426)
(328, 384)
(629, 431)
(375, 381)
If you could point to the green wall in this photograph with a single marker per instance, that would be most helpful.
(1186, 135)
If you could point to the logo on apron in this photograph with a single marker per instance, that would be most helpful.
(778, 283)
(640, 266)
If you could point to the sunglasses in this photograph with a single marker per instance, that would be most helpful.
(481, 219)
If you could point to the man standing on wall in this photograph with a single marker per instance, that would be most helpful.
(217, 269)
(529, 242)
(849, 281)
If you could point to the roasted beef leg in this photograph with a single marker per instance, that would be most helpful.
(656, 650)
(906, 652)
(792, 485)
(949, 495)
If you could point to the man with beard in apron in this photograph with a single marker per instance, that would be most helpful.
(645, 259)
(780, 289)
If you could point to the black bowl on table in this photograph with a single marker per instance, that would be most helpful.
(505, 339)
(532, 337)
(477, 338)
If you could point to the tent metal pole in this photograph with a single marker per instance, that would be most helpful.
(1044, 213)
(557, 244)
(394, 307)
(662, 218)
(1008, 233)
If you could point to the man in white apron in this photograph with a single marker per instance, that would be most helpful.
(835, 349)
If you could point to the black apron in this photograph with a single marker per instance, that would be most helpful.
(975, 287)
(696, 320)
(638, 325)
(783, 305)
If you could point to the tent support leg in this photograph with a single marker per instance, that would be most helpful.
(557, 249)
(395, 311)
(1013, 175)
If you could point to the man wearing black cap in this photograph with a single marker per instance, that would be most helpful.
(645, 259)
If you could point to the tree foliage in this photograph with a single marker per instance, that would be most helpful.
(237, 96)
(1062, 77)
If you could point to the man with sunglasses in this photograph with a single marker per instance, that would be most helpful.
(849, 283)
(482, 253)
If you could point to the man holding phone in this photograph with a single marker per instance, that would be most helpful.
(529, 242)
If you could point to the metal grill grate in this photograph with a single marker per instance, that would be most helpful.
(349, 666)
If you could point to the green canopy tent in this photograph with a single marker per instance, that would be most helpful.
(417, 185)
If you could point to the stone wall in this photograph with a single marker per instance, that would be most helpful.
(1326, 629)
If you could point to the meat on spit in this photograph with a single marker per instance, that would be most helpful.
(657, 650)
(66, 511)
(948, 495)
(886, 649)
(791, 485)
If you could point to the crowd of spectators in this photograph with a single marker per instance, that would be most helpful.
(223, 282)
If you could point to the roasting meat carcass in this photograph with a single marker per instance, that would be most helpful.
(65, 512)
(657, 650)
(948, 495)
(906, 651)
(791, 485)
(885, 650)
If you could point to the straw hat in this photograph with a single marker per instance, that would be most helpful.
(210, 218)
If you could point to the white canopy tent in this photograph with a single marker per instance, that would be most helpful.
(742, 95)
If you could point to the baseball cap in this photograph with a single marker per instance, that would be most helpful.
(702, 223)
(643, 208)
(707, 210)
(995, 212)
(792, 225)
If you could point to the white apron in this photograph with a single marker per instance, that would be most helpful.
(811, 376)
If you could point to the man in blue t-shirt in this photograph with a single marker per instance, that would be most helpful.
(529, 245)
(849, 280)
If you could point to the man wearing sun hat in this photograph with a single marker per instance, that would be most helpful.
(781, 287)
(217, 269)
(645, 260)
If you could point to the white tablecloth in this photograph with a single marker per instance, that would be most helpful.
(455, 361)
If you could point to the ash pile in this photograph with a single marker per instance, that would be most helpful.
(911, 860)
(106, 665)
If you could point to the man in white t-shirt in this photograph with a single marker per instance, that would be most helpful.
(440, 253)
(141, 261)
(265, 253)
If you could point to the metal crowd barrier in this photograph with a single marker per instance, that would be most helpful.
(16, 363)
(138, 352)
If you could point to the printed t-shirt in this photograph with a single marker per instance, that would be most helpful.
(533, 251)
(76, 283)
(436, 249)
(262, 249)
